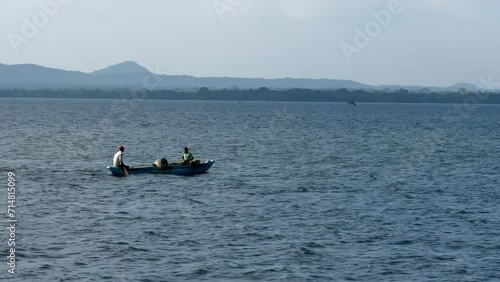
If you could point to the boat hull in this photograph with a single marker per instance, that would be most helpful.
(172, 169)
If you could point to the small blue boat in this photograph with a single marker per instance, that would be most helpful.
(176, 169)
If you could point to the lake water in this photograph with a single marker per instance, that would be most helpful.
(298, 192)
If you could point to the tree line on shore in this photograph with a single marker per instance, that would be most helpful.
(261, 94)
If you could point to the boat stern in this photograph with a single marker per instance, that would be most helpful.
(116, 171)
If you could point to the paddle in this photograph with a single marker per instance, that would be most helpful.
(142, 165)
(125, 170)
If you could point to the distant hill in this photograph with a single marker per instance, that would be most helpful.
(33, 75)
(467, 86)
(131, 74)
(127, 67)
(455, 87)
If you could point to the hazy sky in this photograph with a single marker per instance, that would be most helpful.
(425, 42)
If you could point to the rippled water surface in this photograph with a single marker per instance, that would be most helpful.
(299, 191)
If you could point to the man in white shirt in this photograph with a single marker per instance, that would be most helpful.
(118, 159)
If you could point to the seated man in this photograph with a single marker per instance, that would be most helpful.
(187, 157)
(118, 159)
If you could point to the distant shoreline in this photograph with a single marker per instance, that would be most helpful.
(261, 94)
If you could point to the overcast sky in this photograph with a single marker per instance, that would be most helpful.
(424, 42)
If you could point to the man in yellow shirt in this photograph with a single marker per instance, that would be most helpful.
(187, 157)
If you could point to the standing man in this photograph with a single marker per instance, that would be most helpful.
(118, 160)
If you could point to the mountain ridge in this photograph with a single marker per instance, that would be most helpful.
(132, 74)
